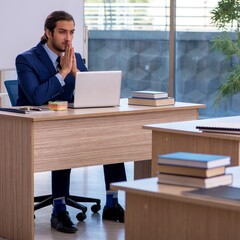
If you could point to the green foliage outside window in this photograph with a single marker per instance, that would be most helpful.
(226, 16)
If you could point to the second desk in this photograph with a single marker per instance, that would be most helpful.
(184, 137)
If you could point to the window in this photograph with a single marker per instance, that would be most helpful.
(131, 36)
(134, 36)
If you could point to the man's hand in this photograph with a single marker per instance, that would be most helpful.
(74, 69)
(66, 60)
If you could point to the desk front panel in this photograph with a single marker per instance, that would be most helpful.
(69, 143)
(167, 219)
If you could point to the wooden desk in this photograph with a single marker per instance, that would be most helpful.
(74, 138)
(183, 136)
(155, 211)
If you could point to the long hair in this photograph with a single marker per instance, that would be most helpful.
(51, 22)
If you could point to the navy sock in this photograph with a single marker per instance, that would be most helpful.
(111, 199)
(59, 205)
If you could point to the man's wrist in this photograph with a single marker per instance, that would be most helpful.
(60, 79)
(63, 73)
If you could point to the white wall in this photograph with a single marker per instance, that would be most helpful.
(22, 25)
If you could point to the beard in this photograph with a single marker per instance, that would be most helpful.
(58, 47)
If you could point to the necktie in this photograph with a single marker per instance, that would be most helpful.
(58, 65)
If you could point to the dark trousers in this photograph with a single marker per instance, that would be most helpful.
(61, 178)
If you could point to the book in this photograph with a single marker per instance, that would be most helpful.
(220, 192)
(151, 102)
(199, 160)
(149, 94)
(195, 181)
(191, 171)
(221, 127)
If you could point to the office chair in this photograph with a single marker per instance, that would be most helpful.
(46, 200)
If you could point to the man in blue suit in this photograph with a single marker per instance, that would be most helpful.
(47, 73)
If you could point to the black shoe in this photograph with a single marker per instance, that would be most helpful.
(62, 223)
(115, 213)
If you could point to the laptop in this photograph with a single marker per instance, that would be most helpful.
(97, 89)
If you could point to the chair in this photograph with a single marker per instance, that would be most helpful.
(12, 89)
(46, 200)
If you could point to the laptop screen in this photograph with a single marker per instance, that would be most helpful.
(97, 89)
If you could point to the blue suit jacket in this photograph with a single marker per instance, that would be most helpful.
(37, 81)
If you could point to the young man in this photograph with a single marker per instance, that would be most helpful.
(47, 72)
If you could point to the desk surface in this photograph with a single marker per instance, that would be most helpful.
(150, 187)
(189, 127)
(123, 109)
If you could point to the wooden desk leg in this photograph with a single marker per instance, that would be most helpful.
(17, 182)
(142, 169)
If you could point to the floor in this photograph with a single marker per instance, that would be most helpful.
(88, 181)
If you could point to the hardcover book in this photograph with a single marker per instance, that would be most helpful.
(149, 94)
(195, 181)
(151, 102)
(191, 171)
(199, 160)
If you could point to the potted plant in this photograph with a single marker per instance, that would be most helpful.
(226, 16)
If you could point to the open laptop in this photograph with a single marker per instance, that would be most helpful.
(97, 89)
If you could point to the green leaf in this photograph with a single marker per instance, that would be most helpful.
(226, 16)
(231, 86)
(226, 13)
(226, 45)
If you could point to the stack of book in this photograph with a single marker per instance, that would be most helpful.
(193, 169)
(150, 98)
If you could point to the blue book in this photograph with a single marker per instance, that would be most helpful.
(199, 160)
